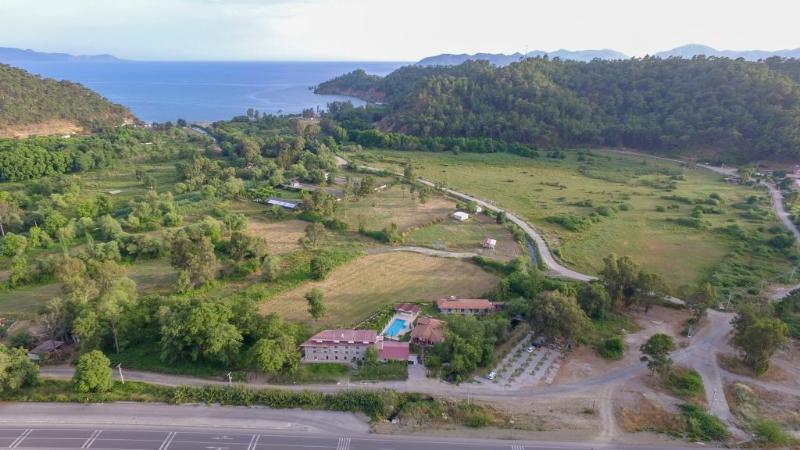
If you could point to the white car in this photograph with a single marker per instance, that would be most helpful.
(530, 349)
(491, 375)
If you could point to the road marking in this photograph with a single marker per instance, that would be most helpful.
(254, 442)
(167, 440)
(344, 444)
(517, 447)
(20, 438)
(91, 439)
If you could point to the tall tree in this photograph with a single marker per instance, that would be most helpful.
(655, 352)
(316, 307)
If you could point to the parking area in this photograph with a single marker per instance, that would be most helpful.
(526, 365)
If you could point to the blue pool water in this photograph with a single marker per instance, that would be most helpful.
(395, 328)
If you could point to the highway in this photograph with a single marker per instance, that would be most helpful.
(139, 438)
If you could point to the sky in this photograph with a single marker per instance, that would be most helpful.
(388, 30)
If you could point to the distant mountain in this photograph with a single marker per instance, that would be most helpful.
(499, 59)
(691, 50)
(31, 105)
(12, 55)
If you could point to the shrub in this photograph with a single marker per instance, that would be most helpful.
(684, 383)
(701, 425)
(769, 432)
(21, 338)
(93, 373)
(320, 267)
(612, 348)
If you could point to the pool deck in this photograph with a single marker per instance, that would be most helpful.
(408, 318)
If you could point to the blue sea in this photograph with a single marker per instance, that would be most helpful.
(206, 91)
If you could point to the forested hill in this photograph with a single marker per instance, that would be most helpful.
(705, 107)
(30, 105)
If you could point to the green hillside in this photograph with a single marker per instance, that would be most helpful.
(31, 105)
(705, 107)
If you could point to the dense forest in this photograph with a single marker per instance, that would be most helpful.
(26, 99)
(709, 107)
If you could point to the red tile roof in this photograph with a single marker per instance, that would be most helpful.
(408, 308)
(464, 303)
(428, 329)
(394, 351)
(342, 336)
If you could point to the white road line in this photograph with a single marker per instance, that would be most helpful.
(94, 438)
(167, 440)
(20, 438)
(89, 441)
(253, 442)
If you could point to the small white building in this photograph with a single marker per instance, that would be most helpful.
(489, 243)
(460, 216)
(478, 210)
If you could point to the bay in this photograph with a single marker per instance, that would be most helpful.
(206, 91)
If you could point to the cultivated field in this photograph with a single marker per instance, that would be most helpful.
(641, 214)
(354, 291)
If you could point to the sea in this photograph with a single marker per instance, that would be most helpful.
(206, 91)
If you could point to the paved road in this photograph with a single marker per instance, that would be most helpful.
(166, 438)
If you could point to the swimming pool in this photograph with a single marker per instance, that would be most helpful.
(395, 327)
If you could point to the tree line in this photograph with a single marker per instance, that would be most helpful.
(743, 110)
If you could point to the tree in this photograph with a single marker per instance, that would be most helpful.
(10, 215)
(627, 284)
(93, 373)
(315, 236)
(13, 245)
(594, 300)
(320, 267)
(367, 186)
(21, 272)
(197, 329)
(194, 254)
(16, 369)
(315, 306)
(271, 355)
(759, 340)
(409, 174)
(371, 356)
(500, 218)
(655, 352)
(557, 317)
(705, 296)
(269, 268)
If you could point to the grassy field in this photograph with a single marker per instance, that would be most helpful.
(149, 275)
(467, 236)
(631, 190)
(352, 292)
(394, 205)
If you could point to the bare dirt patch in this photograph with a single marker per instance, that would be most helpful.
(584, 362)
(639, 412)
(282, 237)
(48, 128)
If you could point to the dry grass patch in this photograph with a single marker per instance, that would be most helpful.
(355, 290)
(282, 237)
(641, 414)
(394, 205)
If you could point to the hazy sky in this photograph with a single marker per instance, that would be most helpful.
(397, 30)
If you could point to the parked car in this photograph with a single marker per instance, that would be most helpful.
(530, 349)
(491, 375)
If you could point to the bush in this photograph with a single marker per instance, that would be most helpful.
(612, 348)
(21, 338)
(701, 425)
(769, 432)
(93, 373)
(320, 267)
(392, 370)
(684, 383)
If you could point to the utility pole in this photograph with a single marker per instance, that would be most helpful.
(119, 367)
